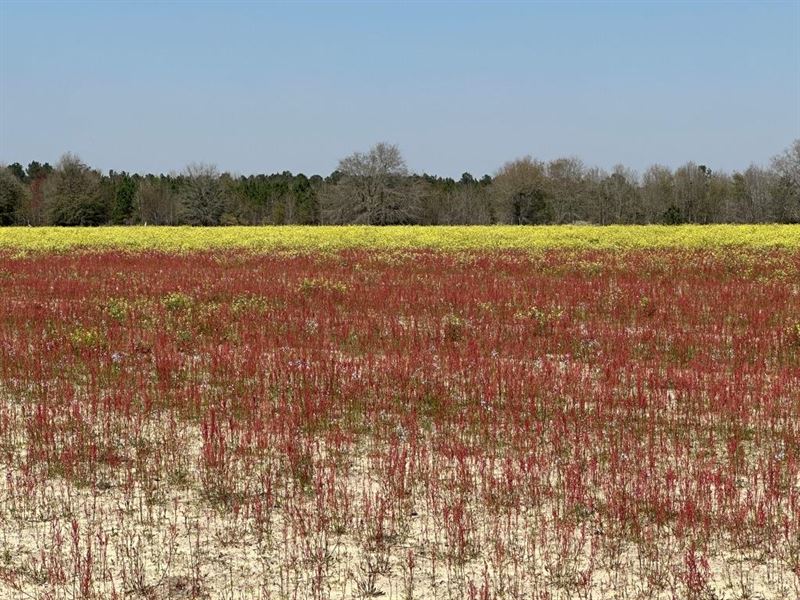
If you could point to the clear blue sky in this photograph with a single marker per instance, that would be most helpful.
(263, 87)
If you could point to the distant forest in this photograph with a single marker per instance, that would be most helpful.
(376, 188)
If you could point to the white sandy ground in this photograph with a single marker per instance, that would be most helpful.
(172, 543)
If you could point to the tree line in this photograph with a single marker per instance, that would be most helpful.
(376, 188)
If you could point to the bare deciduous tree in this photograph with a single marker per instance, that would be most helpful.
(750, 197)
(156, 201)
(657, 193)
(520, 190)
(787, 192)
(202, 197)
(787, 164)
(467, 205)
(691, 186)
(372, 188)
(567, 189)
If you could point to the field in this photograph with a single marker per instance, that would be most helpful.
(468, 412)
(316, 239)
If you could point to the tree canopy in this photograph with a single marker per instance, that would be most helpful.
(376, 187)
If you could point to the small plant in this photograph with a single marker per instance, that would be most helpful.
(647, 306)
(696, 576)
(245, 304)
(86, 337)
(176, 301)
(542, 320)
(408, 568)
(319, 284)
(366, 578)
(453, 327)
(793, 332)
(118, 309)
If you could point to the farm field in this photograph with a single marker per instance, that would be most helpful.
(435, 413)
(331, 238)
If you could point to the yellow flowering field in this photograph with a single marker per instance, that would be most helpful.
(445, 237)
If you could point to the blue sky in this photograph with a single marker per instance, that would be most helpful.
(264, 87)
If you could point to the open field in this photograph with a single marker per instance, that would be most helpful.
(494, 237)
(480, 413)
